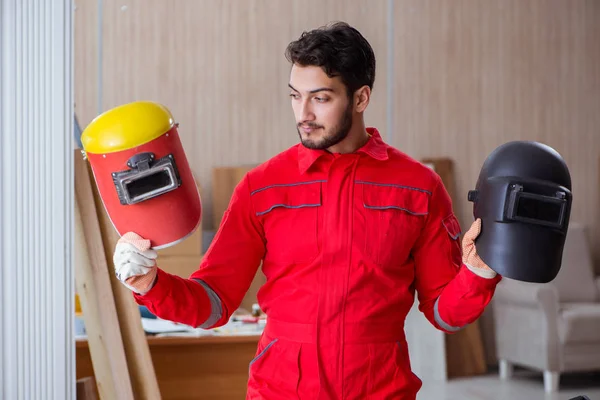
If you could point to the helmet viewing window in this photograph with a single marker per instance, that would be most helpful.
(146, 178)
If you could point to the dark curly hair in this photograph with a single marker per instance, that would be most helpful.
(340, 50)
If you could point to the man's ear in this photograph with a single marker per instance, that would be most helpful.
(361, 98)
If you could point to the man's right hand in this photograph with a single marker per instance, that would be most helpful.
(135, 263)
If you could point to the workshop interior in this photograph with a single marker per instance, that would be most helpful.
(333, 199)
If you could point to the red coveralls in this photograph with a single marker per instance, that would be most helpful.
(345, 241)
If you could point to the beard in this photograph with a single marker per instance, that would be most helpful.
(332, 136)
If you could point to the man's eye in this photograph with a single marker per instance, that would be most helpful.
(294, 96)
(321, 99)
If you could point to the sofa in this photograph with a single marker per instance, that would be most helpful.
(552, 327)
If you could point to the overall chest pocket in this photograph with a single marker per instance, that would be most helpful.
(394, 216)
(290, 214)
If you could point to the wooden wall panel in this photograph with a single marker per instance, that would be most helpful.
(467, 76)
(370, 18)
(85, 59)
(220, 68)
(471, 75)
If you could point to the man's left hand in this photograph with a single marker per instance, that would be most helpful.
(470, 257)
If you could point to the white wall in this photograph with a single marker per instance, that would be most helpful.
(36, 200)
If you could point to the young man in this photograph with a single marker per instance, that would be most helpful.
(347, 228)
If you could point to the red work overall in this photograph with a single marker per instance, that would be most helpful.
(345, 241)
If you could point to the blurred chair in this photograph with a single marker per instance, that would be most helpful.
(553, 327)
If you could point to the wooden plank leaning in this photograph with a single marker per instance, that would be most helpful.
(96, 295)
(139, 360)
(139, 369)
(465, 353)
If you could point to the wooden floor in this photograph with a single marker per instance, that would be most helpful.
(525, 385)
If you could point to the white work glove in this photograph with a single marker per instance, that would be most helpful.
(470, 257)
(135, 263)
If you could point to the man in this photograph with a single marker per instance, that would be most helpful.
(347, 228)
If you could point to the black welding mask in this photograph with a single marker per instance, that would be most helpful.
(523, 197)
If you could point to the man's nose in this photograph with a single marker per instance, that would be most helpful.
(306, 113)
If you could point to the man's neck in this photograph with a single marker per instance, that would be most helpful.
(357, 138)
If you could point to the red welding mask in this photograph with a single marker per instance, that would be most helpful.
(142, 173)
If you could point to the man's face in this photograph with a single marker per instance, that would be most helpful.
(321, 106)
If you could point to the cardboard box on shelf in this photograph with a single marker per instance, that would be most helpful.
(190, 246)
(182, 266)
(224, 181)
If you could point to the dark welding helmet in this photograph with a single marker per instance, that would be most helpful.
(523, 197)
